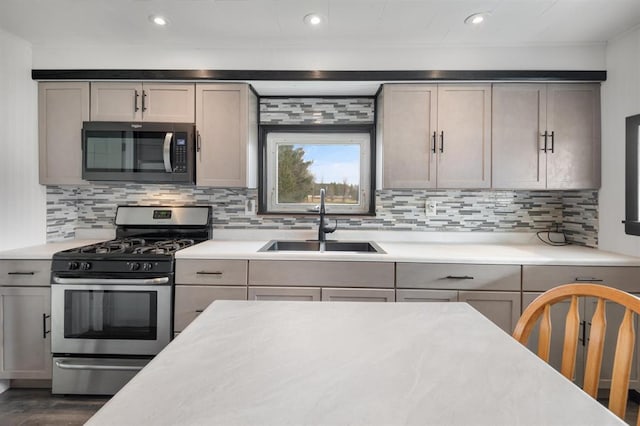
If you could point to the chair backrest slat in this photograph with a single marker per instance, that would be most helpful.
(595, 350)
(544, 338)
(622, 365)
(540, 309)
(570, 347)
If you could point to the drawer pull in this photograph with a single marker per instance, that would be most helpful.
(458, 277)
(209, 273)
(199, 311)
(44, 326)
(21, 273)
(587, 280)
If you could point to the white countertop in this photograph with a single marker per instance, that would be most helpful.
(531, 253)
(43, 251)
(337, 363)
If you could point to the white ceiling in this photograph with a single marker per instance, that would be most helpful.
(279, 24)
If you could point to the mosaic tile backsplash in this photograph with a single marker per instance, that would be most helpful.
(316, 110)
(575, 212)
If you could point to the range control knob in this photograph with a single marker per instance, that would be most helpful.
(85, 266)
(134, 266)
(73, 266)
(147, 266)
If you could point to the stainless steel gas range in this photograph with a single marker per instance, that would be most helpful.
(112, 302)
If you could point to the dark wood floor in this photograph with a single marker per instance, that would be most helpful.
(30, 407)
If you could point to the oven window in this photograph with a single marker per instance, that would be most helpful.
(110, 314)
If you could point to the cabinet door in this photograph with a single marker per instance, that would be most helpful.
(409, 124)
(426, 295)
(518, 120)
(357, 295)
(558, 318)
(221, 124)
(116, 102)
(191, 300)
(25, 346)
(168, 103)
(503, 308)
(62, 107)
(464, 136)
(573, 115)
(284, 293)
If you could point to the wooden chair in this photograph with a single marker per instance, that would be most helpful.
(540, 308)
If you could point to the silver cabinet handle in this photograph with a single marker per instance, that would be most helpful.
(44, 326)
(69, 366)
(166, 152)
(198, 141)
(144, 98)
(442, 141)
(135, 102)
(545, 135)
(107, 281)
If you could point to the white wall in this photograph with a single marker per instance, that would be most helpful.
(22, 199)
(620, 98)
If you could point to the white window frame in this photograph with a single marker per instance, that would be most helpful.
(275, 139)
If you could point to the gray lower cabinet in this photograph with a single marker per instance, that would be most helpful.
(502, 308)
(201, 281)
(494, 290)
(191, 300)
(358, 295)
(308, 294)
(25, 342)
(537, 279)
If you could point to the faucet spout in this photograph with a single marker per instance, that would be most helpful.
(323, 228)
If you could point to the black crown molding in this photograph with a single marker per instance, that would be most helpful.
(298, 75)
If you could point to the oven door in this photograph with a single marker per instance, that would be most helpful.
(97, 316)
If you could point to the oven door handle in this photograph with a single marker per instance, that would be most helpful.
(108, 281)
(166, 152)
(67, 366)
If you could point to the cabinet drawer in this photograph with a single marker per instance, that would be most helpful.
(284, 293)
(321, 274)
(191, 300)
(543, 278)
(25, 272)
(358, 295)
(448, 276)
(214, 272)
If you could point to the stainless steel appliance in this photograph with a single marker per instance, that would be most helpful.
(138, 152)
(112, 302)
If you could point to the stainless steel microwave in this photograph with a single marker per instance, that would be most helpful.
(138, 152)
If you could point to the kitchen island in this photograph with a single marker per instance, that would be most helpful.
(293, 363)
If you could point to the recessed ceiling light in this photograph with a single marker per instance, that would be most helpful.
(158, 20)
(312, 19)
(476, 18)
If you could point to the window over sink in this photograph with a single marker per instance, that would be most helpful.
(297, 161)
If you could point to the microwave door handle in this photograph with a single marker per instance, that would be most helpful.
(166, 152)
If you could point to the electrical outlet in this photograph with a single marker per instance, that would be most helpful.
(250, 208)
(430, 207)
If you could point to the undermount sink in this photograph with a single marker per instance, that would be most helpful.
(314, 245)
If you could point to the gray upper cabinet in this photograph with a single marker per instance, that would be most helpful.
(136, 101)
(62, 107)
(226, 125)
(436, 136)
(546, 136)
(409, 127)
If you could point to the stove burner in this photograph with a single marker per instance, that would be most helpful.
(163, 247)
(114, 246)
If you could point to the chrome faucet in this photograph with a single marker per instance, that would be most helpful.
(323, 228)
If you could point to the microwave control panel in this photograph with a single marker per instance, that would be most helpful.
(180, 153)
